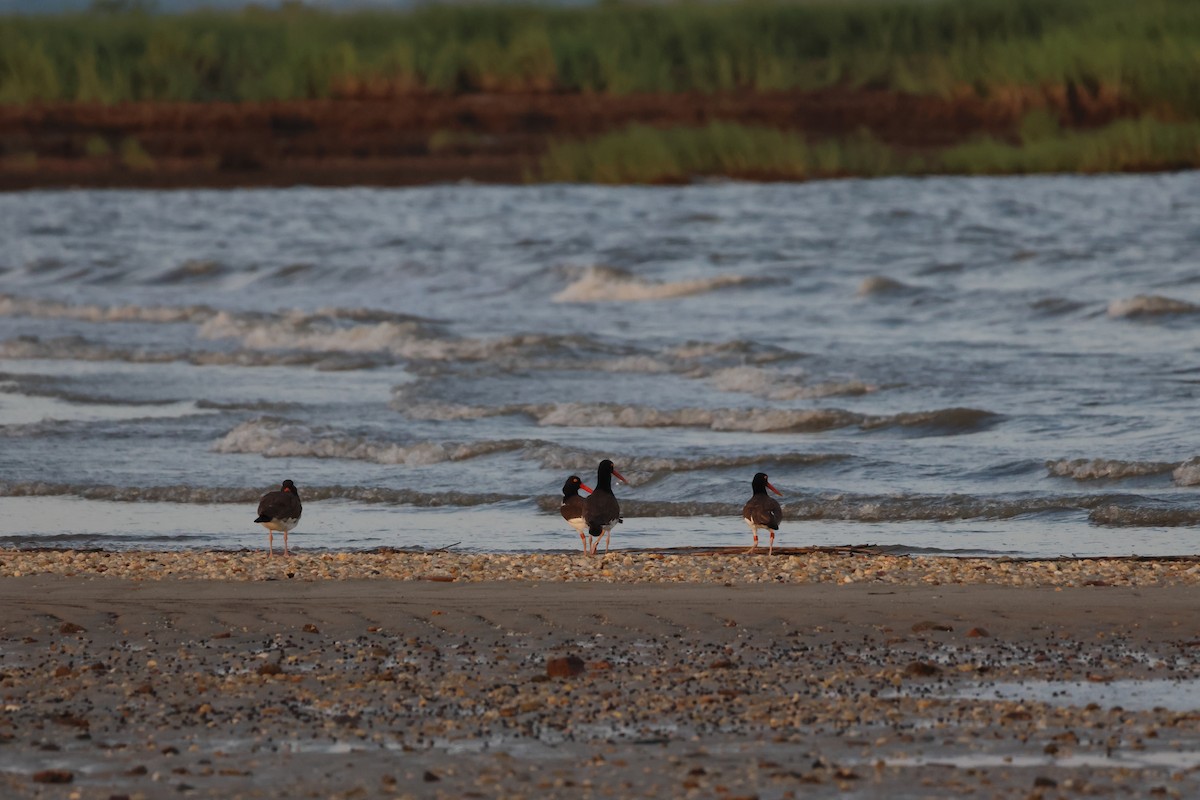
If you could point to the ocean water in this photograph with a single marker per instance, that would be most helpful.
(961, 365)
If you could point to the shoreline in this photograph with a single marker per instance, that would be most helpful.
(494, 138)
(368, 687)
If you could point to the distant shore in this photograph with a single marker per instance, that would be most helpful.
(519, 137)
(489, 675)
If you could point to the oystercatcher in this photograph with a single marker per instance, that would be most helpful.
(601, 510)
(573, 505)
(762, 510)
(279, 511)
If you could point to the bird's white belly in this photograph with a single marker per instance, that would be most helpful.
(284, 525)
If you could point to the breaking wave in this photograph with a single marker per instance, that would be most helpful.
(1084, 469)
(1150, 305)
(608, 285)
(193, 495)
(1186, 473)
(751, 420)
(398, 336)
(276, 438)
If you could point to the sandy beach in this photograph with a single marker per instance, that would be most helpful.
(646, 674)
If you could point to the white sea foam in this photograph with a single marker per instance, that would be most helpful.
(607, 284)
(276, 438)
(1187, 473)
(1148, 305)
(402, 338)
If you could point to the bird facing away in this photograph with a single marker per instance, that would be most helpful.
(601, 510)
(573, 505)
(762, 510)
(279, 511)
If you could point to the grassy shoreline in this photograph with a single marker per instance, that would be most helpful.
(1146, 54)
(641, 154)
(619, 92)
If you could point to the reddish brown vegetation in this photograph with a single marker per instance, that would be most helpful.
(494, 137)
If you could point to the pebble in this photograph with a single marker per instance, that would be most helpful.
(640, 567)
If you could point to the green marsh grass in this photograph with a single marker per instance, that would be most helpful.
(641, 154)
(1126, 145)
(1145, 50)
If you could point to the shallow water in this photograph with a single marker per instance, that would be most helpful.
(937, 365)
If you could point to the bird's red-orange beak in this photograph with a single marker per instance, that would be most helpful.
(773, 489)
(619, 477)
(585, 487)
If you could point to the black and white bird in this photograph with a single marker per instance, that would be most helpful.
(762, 510)
(279, 511)
(601, 510)
(573, 505)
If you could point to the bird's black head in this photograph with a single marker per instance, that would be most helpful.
(288, 486)
(760, 484)
(572, 485)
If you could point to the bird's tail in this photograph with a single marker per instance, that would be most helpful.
(596, 530)
(263, 518)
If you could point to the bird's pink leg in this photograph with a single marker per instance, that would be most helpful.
(583, 539)
(270, 543)
(771, 549)
(755, 545)
(285, 547)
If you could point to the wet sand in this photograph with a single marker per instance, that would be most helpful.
(453, 683)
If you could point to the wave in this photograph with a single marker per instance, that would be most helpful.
(76, 348)
(1083, 469)
(398, 336)
(553, 456)
(13, 306)
(775, 385)
(1106, 510)
(277, 438)
(942, 420)
(220, 495)
(870, 508)
(750, 420)
(1185, 473)
(1123, 516)
(608, 285)
(1150, 305)
(739, 351)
